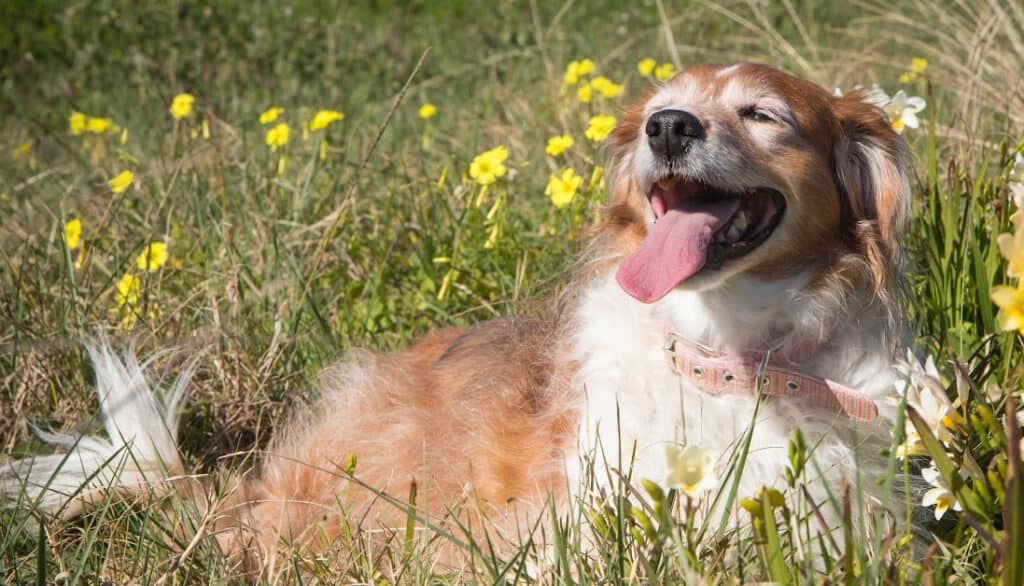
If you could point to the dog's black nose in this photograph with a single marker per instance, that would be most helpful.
(670, 132)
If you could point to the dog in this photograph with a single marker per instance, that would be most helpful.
(745, 280)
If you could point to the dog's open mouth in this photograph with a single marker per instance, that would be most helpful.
(697, 227)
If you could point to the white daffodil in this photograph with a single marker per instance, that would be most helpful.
(902, 111)
(1017, 195)
(1016, 186)
(925, 393)
(940, 496)
(690, 469)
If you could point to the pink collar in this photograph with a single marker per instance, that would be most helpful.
(717, 374)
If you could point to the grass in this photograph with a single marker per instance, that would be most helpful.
(275, 274)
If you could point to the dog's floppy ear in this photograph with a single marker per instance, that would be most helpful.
(873, 182)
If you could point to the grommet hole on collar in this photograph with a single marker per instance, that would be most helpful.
(729, 377)
(698, 372)
(792, 385)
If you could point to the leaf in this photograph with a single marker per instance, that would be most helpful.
(1013, 510)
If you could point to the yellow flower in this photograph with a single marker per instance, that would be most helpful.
(277, 136)
(584, 93)
(1012, 249)
(600, 127)
(22, 150)
(918, 64)
(181, 106)
(691, 469)
(576, 69)
(128, 290)
(270, 115)
(606, 87)
(1011, 306)
(646, 66)
(122, 182)
(325, 118)
(77, 123)
(558, 144)
(153, 257)
(664, 72)
(428, 111)
(73, 233)
(488, 166)
(99, 125)
(562, 189)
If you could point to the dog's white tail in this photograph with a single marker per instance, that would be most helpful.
(139, 451)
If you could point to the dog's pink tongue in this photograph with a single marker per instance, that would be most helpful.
(675, 248)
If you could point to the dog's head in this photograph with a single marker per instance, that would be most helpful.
(745, 169)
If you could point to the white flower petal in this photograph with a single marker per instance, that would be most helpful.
(932, 476)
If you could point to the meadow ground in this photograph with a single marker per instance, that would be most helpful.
(282, 245)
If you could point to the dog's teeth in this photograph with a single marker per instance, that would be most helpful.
(741, 221)
(733, 233)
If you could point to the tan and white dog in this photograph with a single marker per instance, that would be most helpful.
(754, 235)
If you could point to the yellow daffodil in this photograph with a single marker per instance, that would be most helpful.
(122, 182)
(664, 72)
(77, 123)
(325, 118)
(99, 125)
(939, 496)
(558, 144)
(606, 87)
(577, 69)
(128, 290)
(488, 166)
(1011, 306)
(584, 93)
(690, 469)
(427, 111)
(277, 136)
(599, 127)
(562, 188)
(269, 115)
(181, 106)
(1012, 249)
(646, 66)
(153, 257)
(73, 233)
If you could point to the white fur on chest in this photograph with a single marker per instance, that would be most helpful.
(635, 404)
